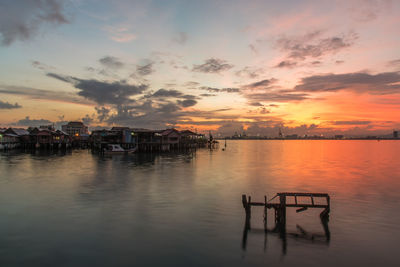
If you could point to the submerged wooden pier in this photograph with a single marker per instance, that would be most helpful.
(283, 202)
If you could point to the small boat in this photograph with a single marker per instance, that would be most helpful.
(117, 149)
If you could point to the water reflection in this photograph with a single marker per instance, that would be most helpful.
(112, 175)
(90, 210)
(300, 235)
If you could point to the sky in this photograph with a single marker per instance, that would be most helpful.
(306, 67)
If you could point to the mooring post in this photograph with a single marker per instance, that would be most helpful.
(324, 215)
(246, 206)
(247, 209)
(282, 215)
(265, 213)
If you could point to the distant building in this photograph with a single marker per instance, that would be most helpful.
(47, 127)
(396, 134)
(339, 136)
(75, 128)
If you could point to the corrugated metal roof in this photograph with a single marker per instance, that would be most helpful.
(20, 132)
(168, 131)
(12, 135)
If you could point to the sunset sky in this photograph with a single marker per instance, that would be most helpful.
(308, 67)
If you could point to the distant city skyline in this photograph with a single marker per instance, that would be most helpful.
(306, 67)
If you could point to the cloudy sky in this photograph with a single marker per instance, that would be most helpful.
(308, 67)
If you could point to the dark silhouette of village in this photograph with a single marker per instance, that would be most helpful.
(76, 135)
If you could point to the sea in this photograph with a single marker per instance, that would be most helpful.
(80, 208)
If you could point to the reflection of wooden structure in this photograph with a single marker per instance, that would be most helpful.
(280, 207)
(302, 235)
(288, 200)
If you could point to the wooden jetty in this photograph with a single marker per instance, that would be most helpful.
(283, 203)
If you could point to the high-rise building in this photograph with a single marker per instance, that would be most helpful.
(75, 128)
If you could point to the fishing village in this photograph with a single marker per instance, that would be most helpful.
(117, 139)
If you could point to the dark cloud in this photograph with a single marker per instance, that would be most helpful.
(381, 83)
(40, 65)
(87, 120)
(180, 38)
(102, 113)
(144, 70)
(21, 20)
(277, 97)
(286, 64)
(6, 105)
(41, 94)
(32, 122)
(166, 93)
(187, 103)
(111, 62)
(220, 90)
(264, 110)
(263, 84)
(207, 95)
(222, 109)
(230, 90)
(147, 114)
(169, 93)
(63, 78)
(339, 61)
(209, 89)
(292, 64)
(28, 122)
(351, 122)
(316, 62)
(103, 92)
(111, 93)
(311, 46)
(190, 97)
(253, 49)
(212, 65)
(255, 104)
(249, 72)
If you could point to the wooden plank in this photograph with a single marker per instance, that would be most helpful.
(306, 205)
(303, 194)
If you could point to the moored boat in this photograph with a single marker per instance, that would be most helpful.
(117, 149)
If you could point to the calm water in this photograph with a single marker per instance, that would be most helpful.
(81, 209)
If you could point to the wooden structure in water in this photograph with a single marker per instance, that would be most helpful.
(283, 203)
(279, 203)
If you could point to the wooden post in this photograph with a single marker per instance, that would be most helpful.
(282, 215)
(247, 209)
(265, 214)
(324, 215)
(246, 206)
